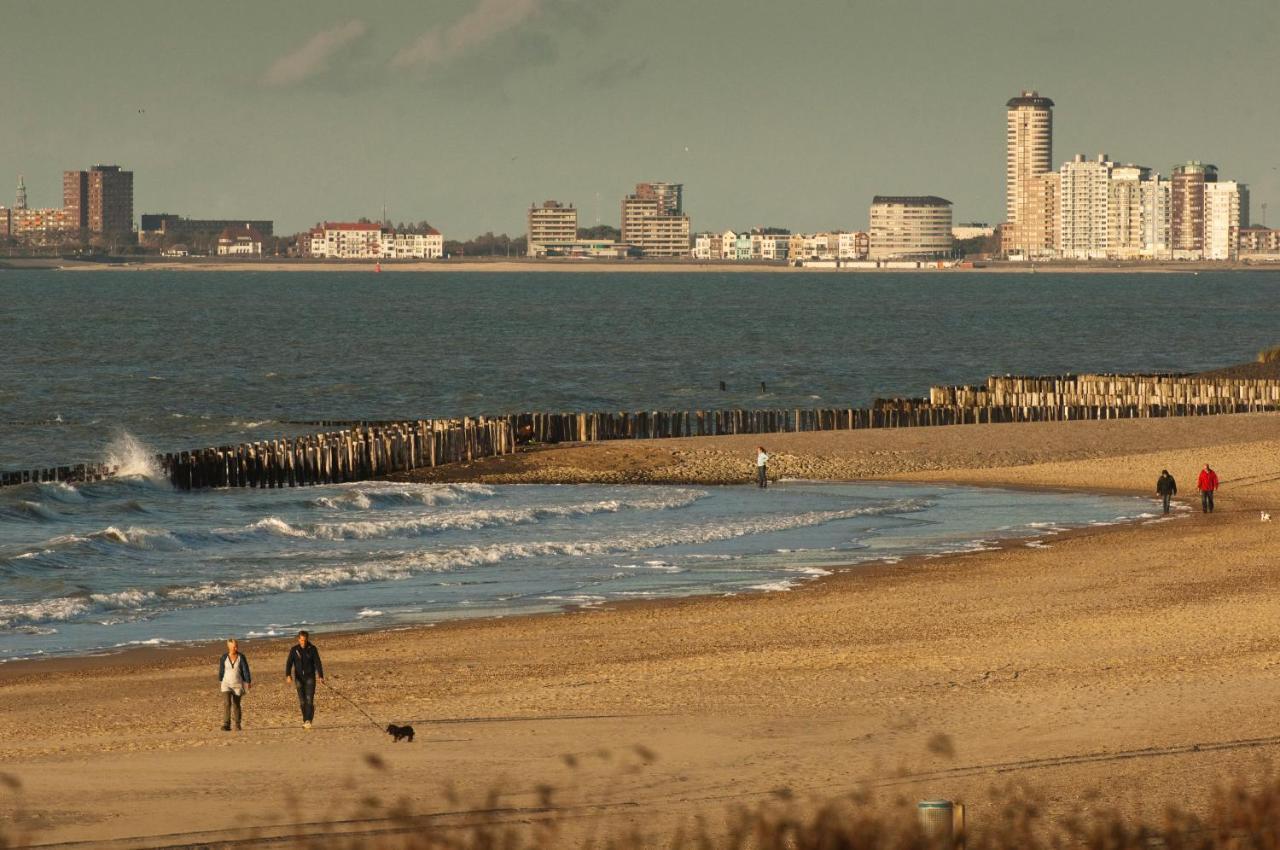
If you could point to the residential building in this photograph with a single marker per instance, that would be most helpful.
(653, 220)
(242, 241)
(41, 225)
(1125, 231)
(1188, 185)
(367, 240)
(972, 230)
(706, 246)
(99, 200)
(905, 226)
(5, 215)
(853, 246)
(1255, 239)
(1028, 154)
(1157, 222)
(1226, 210)
(1083, 188)
(550, 223)
(769, 246)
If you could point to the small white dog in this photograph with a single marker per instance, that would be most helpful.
(1266, 517)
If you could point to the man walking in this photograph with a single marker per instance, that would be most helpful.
(1166, 488)
(1207, 483)
(302, 669)
(762, 461)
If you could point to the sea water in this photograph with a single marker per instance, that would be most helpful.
(184, 360)
(131, 561)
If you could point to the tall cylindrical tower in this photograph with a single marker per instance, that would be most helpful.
(1028, 154)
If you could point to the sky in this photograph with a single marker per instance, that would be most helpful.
(464, 112)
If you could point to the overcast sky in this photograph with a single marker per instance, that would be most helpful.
(462, 112)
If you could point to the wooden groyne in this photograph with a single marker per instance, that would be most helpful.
(362, 450)
(1112, 390)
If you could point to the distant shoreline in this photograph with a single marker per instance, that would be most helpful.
(504, 265)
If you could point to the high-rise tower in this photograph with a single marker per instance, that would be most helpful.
(1028, 154)
(20, 202)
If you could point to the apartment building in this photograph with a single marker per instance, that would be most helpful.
(1028, 155)
(1083, 190)
(367, 240)
(1226, 211)
(551, 223)
(653, 220)
(1125, 230)
(99, 200)
(909, 227)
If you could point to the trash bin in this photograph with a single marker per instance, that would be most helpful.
(937, 818)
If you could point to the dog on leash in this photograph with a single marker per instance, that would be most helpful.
(398, 732)
(1266, 517)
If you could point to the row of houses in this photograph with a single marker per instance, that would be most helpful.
(762, 245)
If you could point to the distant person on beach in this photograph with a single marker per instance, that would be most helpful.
(302, 669)
(1167, 488)
(1207, 483)
(234, 678)
(762, 466)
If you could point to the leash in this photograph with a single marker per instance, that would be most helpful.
(354, 704)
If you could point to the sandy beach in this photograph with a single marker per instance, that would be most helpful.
(1130, 666)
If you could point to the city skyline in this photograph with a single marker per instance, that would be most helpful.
(580, 102)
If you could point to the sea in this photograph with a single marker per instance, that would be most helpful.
(116, 365)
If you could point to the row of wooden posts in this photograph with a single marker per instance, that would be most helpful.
(1091, 389)
(370, 450)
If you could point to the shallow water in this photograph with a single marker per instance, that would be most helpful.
(189, 359)
(130, 561)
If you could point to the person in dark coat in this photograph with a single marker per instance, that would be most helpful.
(1167, 488)
(303, 668)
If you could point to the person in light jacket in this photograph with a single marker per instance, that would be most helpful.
(234, 679)
(762, 466)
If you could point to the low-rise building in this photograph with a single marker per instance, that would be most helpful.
(38, 225)
(909, 227)
(242, 241)
(369, 241)
(1259, 240)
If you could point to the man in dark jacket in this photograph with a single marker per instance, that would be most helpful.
(1167, 488)
(302, 669)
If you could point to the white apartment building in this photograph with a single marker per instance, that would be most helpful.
(1083, 190)
(1226, 208)
(1124, 212)
(1157, 218)
(550, 223)
(369, 241)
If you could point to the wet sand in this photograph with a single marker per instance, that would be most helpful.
(1130, 666)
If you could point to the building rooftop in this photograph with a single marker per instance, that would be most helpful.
(1030, 98)
(913, 200)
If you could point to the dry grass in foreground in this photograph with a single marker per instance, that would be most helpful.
(1237, 818)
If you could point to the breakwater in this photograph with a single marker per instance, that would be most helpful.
(361, 451)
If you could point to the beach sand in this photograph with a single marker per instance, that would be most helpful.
(1128, 666)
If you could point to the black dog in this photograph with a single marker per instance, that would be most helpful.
(398, 732)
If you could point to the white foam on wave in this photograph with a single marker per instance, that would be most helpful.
(363, 496)
(488, 518)
(132, 459)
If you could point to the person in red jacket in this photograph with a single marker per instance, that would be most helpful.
(1207, 483)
